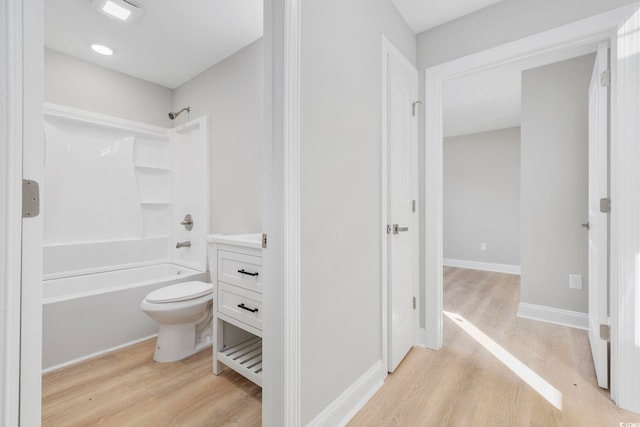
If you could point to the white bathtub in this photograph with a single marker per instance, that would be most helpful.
(87, 315)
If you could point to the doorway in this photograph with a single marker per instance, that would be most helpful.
(592, 30)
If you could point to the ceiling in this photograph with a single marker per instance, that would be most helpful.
(491, 99)
(422, 15)
(170, 43)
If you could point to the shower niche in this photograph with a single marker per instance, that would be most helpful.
(116, 192)
(153, 178)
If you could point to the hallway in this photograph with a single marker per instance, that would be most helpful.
(464, 384)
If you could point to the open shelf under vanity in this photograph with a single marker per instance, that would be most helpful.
(245, 358)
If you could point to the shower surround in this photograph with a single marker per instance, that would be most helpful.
(115, 193)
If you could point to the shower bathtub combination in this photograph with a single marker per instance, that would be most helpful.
(115, 196)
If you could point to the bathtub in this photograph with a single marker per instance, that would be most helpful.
(91, 314)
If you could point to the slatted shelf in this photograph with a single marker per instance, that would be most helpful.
(245, 358)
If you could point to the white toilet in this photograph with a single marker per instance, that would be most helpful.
(182, 310)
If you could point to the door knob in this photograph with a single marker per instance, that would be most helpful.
(397, 229)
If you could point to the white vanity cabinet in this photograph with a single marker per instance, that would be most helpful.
(235, 263)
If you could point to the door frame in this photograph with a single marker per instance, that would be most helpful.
(590, 30)
(11, 216)
(388, 48)
(281, 404)
(21, 300)
(20, 393)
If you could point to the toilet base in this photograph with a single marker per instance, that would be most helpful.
(175, 342)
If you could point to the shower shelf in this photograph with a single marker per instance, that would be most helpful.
(149, 168)
(245, 358)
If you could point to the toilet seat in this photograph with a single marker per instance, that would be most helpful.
(180, 292)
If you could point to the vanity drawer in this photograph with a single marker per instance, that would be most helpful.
(240, 270)
(242, 305)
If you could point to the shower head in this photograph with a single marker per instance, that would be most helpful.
(174, 115)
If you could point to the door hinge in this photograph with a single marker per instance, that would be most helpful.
(264, 241)
(605, 332)
(413, 206)
(605, 79)
(605, 205)
(414, 303)
(414, 106)
(30, 199)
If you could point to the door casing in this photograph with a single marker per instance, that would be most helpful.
(589, 31)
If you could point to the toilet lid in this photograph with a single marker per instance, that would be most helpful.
(180, 292)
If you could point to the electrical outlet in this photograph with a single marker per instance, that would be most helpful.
(483, 247)
(575, 281)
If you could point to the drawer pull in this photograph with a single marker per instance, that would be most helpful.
(247, 273)
(244, 307)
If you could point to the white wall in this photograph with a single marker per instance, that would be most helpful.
(554, 183)
(231, 93)
(79, 84)
(482, 197)
(504, 22)
(340, 191)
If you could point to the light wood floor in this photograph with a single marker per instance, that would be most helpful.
(127, 388)
(465, 385)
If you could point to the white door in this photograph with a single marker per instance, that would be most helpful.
(402, 127)
(598, 221)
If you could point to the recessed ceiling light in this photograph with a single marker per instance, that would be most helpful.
(116, 10)
(101, 49)
(119, 10)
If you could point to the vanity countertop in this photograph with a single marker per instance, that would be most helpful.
(246, 240)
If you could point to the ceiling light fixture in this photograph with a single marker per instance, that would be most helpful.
(116, 10)
(101, 49)
(119, 10)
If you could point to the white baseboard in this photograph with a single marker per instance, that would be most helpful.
(96, 354)
(573, 319)
(347, 405)
(484, 266)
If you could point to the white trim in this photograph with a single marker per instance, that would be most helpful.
(291, 229)
(281, 259)
(97, 354)
(11, 227)
(32, 228)
(625, 229)
(586, 31)
(339, 412)
(484, 266)
(97, 119)
(557, 316)
(384, 215)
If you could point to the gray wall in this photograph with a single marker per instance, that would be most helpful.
(79, 84)
(504, 22)
(231, 93)
(482, 196)
(554, 183)
(340, 191)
